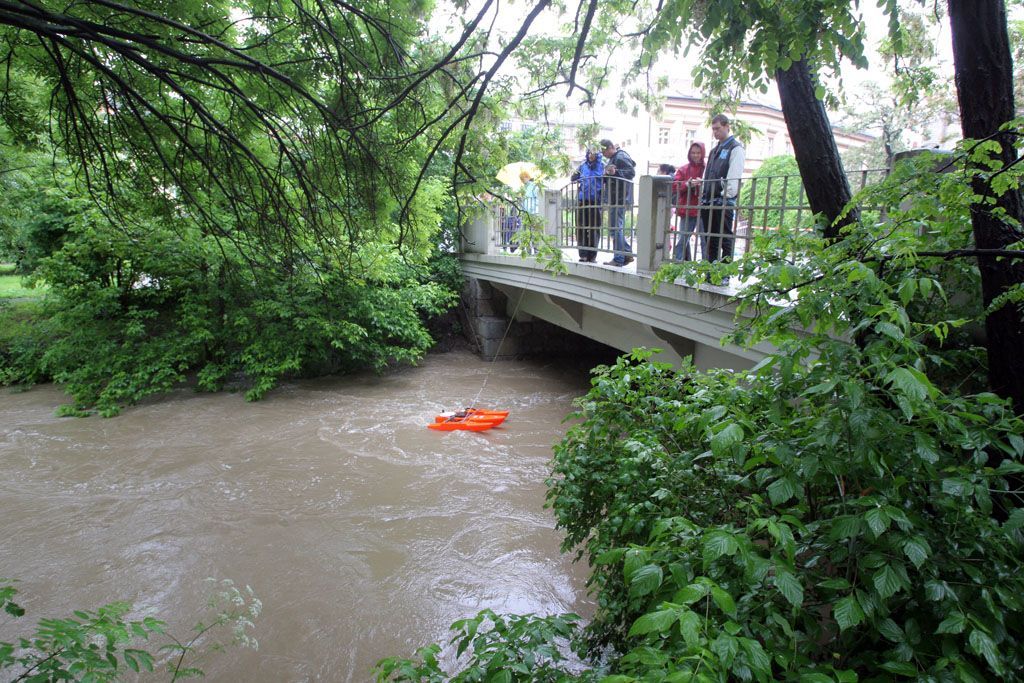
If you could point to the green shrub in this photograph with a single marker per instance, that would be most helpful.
(104, 645)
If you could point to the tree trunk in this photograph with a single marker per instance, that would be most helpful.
(814, 146)
(984, 83)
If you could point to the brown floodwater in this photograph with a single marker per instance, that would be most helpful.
(363, 533)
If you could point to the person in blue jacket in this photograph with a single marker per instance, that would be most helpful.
(588, 205)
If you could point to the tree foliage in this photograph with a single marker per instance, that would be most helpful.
(231, 189)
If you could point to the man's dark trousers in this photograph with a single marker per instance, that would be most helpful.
(717, 221)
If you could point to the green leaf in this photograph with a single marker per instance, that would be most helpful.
(887, 582)
(654, 622)
(718, 543)
(726, 647)
(610, 556)
(723, 600)
(690, 594)
(878, 520)
(901, 669)
(936, 591)
(789, 586)
(983, 645)
(910, 383)
(635, 558)
(846, 526)
(954, 623)
(815, 677)
(781, 490)
(1015, 520)
(889, 330)
(891, 631)
(690, 627)
(848, 613)
(645, 580)
(956, 487)
(723, 440)
(917, 550)
(757, 657)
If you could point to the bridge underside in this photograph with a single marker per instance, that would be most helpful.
(618, 309)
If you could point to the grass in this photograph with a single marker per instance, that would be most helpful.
(11, 286)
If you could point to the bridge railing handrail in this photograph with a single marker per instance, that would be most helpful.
(650, 219)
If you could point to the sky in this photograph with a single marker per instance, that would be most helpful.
(509, 15)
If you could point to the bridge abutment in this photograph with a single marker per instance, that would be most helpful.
(487, 319)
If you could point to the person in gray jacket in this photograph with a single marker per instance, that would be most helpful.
(619, 171)
(721, 187)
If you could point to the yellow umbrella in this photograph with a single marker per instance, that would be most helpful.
(511, 174)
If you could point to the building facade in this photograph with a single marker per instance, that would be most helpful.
(685, 119)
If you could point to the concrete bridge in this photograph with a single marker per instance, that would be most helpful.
(612, 305)
(615, 305)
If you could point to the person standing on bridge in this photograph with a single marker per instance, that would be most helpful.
(721, 187)
(588, 205)
(687, 191)
(620, 171)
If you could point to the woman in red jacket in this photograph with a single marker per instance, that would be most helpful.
(686, 187)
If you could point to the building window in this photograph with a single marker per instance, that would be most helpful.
(769, 146)
(663, 135)
(689, 138)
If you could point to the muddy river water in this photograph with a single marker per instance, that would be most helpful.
(363, 533)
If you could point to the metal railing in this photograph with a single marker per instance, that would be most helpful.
(598, 220)
(655, 220)
(762, 204)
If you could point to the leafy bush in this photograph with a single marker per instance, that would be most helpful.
(136, 308)
(500, 648)
(102, 645)
(24, 336)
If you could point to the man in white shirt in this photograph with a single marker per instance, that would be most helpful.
(721, 187)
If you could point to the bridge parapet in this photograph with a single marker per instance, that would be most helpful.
(660, 222)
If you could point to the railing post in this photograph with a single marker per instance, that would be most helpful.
(653, 201)
(478, 234)
(550, 213)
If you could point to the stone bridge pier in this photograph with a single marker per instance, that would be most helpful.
(498, 330)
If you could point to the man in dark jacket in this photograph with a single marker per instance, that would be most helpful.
(721, 187)
(619, 170)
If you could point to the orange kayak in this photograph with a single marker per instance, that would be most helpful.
(471, 419)
(493, 419)
(465, 423)
(478, 413)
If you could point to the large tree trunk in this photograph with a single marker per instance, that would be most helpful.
(984, 85)
(814, 146)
